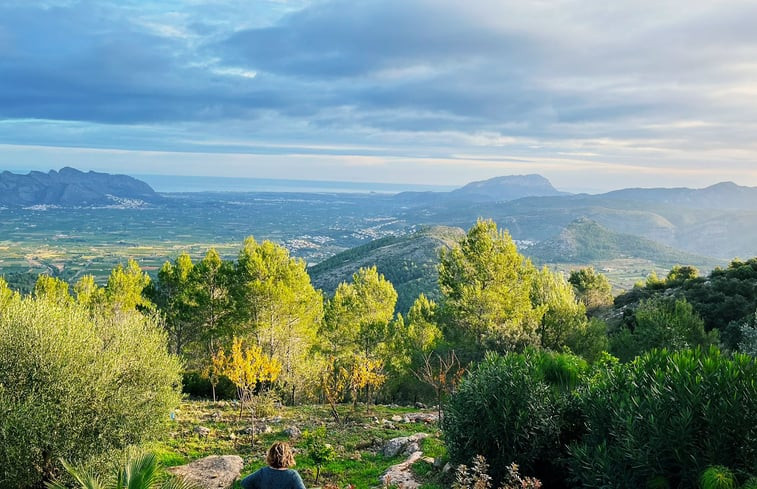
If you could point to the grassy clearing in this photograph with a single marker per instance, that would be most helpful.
(357, 440)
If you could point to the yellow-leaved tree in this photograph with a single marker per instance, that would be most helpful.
(246, 366)
(366, 375)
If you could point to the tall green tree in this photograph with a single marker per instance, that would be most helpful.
(277, 306)
(591, 288)
(89, 294)
(6, 294)
(173, 294)
(486, 287)
(52, 289)
(563, 314)
(214, 309)
(123, 292)
(358, 315)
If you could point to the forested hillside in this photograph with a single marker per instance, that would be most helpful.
(408, 262)
(586, 241)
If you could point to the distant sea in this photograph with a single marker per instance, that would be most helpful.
(173, 183)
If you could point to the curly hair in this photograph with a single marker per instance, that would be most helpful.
(280, 456)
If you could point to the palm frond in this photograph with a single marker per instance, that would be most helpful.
(85, 478)
(179, 483)
(141, 472)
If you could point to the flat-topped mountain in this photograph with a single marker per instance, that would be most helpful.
(511, 187)
(70, 187)
(497, 189)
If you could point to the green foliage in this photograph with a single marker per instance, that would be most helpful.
(750, 484)
(317, 450)
(563, 314)
(589, 340)
(142, 472)
(123, 293)
(213, 309)
(77, 386)
(358, 315)
(277, 307)
(591, 288)
(748, 330)
(666, 417)
(726, 297)
(486, 287)
(172, 293)
(662, 323)
(717, 477)
(514, 408)
(409, 262)
(197, 385)
(52, 289)
(681, 273)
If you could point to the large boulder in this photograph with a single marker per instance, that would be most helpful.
(214, 472)
(395, 446)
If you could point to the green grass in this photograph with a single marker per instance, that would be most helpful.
(357, 441)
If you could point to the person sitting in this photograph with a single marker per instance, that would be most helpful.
(277, 475)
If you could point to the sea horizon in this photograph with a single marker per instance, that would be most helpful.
(181, 184)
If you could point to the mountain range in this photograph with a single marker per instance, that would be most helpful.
(71, 187)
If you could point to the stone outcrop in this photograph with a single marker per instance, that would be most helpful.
(214, 472)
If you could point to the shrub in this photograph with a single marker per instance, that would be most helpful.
(195, 384)
(477, 477)
(142, 472)
(666, 417)
(514, 409)
(717, 477)
(75, 387)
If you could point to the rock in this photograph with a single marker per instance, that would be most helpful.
(411, 448)
(398, 445)
(250, 430)
(214, 472)
(427, 418)
(293, 432)
(202, 431)
(396, 418)
(420, 405)
(276, 419)
(401, 475)
(447, 468)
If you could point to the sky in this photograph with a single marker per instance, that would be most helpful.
(593, 95)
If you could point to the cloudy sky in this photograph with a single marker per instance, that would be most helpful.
(592, 94)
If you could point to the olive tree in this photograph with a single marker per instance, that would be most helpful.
(75, 386)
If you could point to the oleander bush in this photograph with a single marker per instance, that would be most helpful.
(663, 419)
(517, 408)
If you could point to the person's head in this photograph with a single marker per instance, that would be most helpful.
(280, 456)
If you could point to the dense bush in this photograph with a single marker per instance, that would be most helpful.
(664, 418)
(76, 387)
(661, 322)
(197, 385)
(515, 408)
